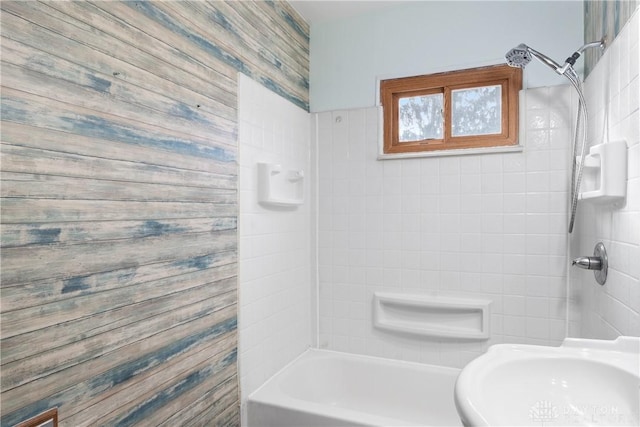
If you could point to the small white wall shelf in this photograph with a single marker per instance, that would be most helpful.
(604, 177)
(432, 316)
(277, 187)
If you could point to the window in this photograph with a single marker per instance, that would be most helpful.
(471, 108)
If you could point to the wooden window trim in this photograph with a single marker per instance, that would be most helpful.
(509, 78)
(50, 415)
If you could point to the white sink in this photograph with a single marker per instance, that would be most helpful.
(581, 383)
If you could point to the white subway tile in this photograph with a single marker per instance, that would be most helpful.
(514, 264)
(470, 165)
(471, 204)
(559, 118)
(537, 161)
(514, 183)
(449, 166)
(513, 162)
(538, 139)
(537, 98)
(537, 328)
(392, 169)
(514, 243)
(429, 167)
(514, 223)
(514, 326)
(537, 307)
(492, 183)
(514, 305)
(449, 184)
(470, 184)
(470, 223)
(537, 119)
(411, 168)
(560, 138)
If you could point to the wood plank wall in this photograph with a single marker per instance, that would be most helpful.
(119, 203)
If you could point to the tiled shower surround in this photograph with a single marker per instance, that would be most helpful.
(275, 243)
(489, 226)
(612, 92)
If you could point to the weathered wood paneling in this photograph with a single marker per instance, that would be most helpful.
(118, 288)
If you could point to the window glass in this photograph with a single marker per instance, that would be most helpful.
(420, 118)
(476, 111)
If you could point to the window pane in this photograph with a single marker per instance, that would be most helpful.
(476, 111)
(420, 118)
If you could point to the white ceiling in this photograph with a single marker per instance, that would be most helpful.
(315, 11)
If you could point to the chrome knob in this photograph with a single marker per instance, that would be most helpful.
(599, 262)
(588, 262)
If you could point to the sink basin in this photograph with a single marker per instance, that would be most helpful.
(581, 383)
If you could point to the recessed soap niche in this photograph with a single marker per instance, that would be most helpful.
(279, 185)
(432, 315)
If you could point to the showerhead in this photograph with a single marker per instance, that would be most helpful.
(519, 56)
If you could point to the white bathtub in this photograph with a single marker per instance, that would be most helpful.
(325, 388)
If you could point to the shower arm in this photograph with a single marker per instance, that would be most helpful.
(570, 61)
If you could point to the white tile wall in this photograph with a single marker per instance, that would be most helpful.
(487, 226)
(612, 92)
(275, 287)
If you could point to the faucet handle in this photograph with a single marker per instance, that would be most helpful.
(598, 262)
(588, 262)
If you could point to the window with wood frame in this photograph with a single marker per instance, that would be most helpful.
(473, 108)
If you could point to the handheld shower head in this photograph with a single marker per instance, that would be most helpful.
(519, 56)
